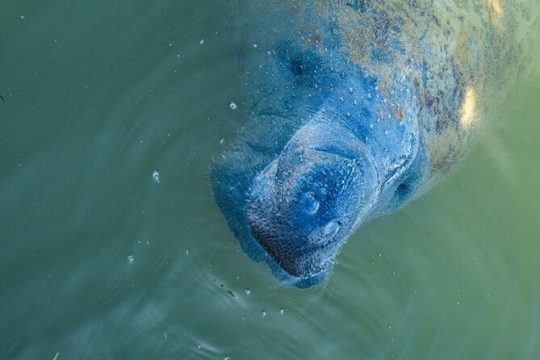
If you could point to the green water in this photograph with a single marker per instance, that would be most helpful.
(100, 260)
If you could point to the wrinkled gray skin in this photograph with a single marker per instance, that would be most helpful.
(355, 109)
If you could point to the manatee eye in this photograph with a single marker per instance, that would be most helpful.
(297, 66)
(309, 204)
(331, 229)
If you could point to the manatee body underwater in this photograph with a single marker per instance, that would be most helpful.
(354, 109)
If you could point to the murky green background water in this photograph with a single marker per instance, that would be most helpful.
(99, 260)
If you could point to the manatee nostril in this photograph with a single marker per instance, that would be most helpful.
(331, 229)
(310, 205)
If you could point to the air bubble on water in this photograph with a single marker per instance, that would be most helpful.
(233, 105)
(130, 259)
(155, 176)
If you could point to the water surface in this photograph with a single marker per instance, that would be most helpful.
(112, 246)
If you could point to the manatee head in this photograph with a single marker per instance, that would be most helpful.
(306, 202)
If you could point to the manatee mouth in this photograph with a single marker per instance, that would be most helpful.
(301, 262)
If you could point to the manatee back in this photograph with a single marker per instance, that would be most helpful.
(462, 56)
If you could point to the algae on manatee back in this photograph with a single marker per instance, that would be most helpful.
(484, 43)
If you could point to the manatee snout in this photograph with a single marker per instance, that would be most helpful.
(305, 203)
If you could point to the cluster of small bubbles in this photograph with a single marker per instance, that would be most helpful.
(233, 105)
(155, 176)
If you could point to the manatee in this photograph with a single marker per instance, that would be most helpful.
(354, 109)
